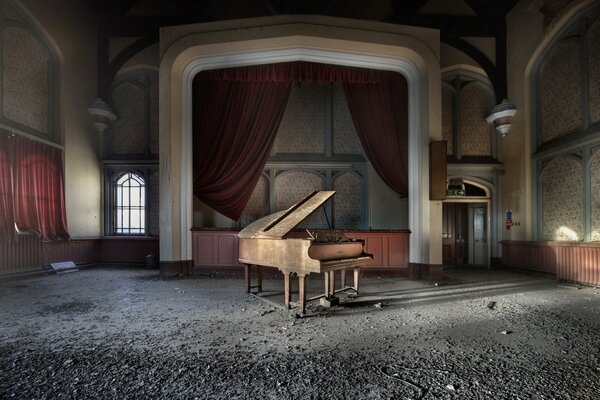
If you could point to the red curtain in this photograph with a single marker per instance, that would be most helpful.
(380, 114)
(7, 221)
(237, 112)
(235, 123)
(39, 197)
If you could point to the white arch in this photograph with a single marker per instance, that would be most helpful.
(186, 56)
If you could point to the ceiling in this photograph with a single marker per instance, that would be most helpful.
(456, 20)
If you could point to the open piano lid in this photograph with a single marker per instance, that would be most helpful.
(278, 224)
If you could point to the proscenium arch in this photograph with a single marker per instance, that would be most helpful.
(179, 66)
(299, 54)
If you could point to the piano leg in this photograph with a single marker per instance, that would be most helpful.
(302, 281)
(259, 278)
(356, 278)
(332, 283)
(326, 277)
(247, 271)
(248, 275)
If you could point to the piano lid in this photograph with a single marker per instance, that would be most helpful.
(278, 224)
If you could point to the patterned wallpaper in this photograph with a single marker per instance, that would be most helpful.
(302, 128)
(152, 186)
(25, 79)
(594, 70)
(345, 139)
(595, 193)
(127, 133)
(258, 205)
(476, 102)
(562, 199)
(292, 187)
(347, 201)
(448, 119)
(560, 89)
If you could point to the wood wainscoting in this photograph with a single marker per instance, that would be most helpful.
(569, 261)
(219, 247)
(28, 254)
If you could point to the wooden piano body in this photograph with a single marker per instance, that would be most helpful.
(265, 242)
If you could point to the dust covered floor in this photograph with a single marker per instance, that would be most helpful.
(127, 333)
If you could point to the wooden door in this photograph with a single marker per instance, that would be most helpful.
(454, 234)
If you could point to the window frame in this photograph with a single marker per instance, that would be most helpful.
(118, 185)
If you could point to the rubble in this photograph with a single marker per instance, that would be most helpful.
(120, 333)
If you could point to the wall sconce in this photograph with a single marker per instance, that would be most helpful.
(102, 114)
(501, 117)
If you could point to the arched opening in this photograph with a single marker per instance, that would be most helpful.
(183, 59)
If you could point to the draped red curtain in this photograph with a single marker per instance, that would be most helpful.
(7, 221)
(237, 112)
(235, 123)
(380, 114)
(39, 197)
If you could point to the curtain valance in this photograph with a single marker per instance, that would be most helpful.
(300, 71)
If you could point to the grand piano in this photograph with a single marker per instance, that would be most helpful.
(271, 242)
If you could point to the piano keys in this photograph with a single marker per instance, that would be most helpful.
(270, 242)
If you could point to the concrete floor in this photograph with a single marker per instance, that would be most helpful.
(127, 333)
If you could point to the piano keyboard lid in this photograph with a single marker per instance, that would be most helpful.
(278, 224)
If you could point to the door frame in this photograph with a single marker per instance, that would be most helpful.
(487, 200)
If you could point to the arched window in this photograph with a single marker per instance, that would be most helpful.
(566, 132)
(29, 77)
(129, 204)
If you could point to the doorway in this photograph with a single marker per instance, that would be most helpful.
(465, 234)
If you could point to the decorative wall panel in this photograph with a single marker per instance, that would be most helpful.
(562, 200)
(293, 186)
(476, 102)
(347, 201)
(448, 119)
(345, 139)
(594, 71)
(128, 132)
(302, 128)
(219, 247)
(25, 79)
(152, 186)
(258, 205)
(30, 255)
(153, 119)
(560, 90)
